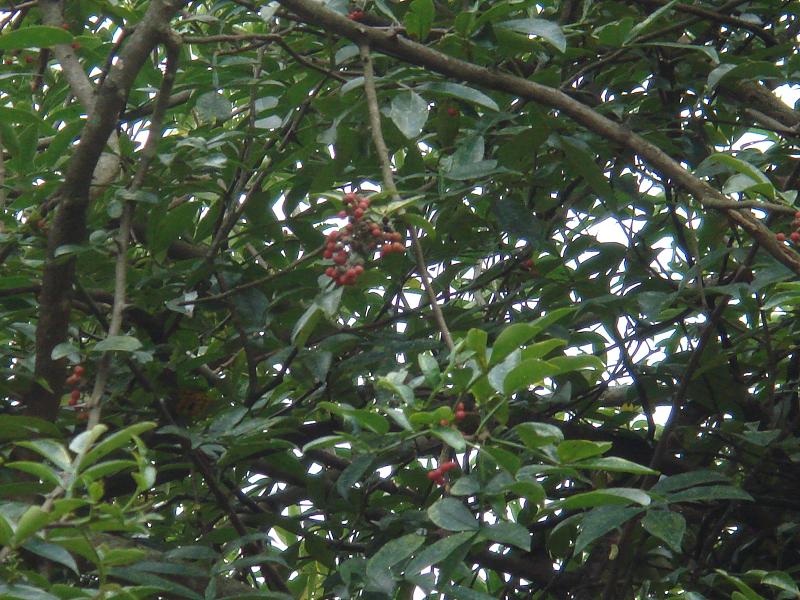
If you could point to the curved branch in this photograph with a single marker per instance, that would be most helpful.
(418, 54)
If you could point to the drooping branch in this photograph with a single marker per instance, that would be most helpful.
(414, 53)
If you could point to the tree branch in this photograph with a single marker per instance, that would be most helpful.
(72, 202)
(418, 54)
(391, 188)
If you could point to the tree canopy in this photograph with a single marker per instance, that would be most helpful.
(399, 299)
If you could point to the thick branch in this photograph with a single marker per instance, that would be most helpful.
(69, 227)
(418, 54)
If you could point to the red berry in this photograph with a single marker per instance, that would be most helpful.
(75, 395)
(358, 269)
(386, 249)
(78, 370)
(342, 214)
(460, 415)
(795, 236)
(448, 465)
(797, 215)
(781, 237)
(76, 45)
(28, 58)
(328, 253)
(435, 474)
(340, 258)
(65, 26)
(356, 15)
(398, 247)
(460, 406)
(376, 233)
(358, 213)
(350, 197)
(440, 481)
(73, 380)
(83, 415)
(452, 111)
(8, 61)
(330, 272)
(444, 422)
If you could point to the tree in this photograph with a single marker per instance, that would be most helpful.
(379, 300)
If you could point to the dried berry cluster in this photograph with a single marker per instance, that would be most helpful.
(349, 246)
(437, 475)
(795, 235)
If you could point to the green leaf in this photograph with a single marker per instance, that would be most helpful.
(40, 470)
(353, 473)
(604, 497)
(84, 440)
(459, 592)
(614, 464)
(439, 551)
(52, 451)
(652, 18)
(24, 592)
(466, 485)
(547, 30)
(600, 521)
(510, 339)
(782, 581)
(476, 341)
(570, 451)
(393, 552)
(452, 515)
(532, 491)
(52, 552)
(686, 480)
(34, 36)
(510, 534)
(462, 92)
(119, 343)
(710, 492)
(419, 18)
(667, 526)
(409, 112)
(450, 436)
(213, 105)
(31, 521)
(115, 441)
(536, 435)
(305, 325)
(542, 349)
(6, 532)
(527, 373)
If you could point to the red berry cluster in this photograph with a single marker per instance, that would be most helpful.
(795, 235)
(74, 381)
(356, 15)
(348, 246)
(437, 475)
(460, 415)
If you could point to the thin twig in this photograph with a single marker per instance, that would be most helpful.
(172, 46)
(391, 188)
